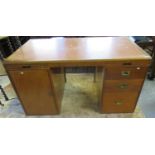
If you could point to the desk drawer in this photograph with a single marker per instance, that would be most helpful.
(141, 63)
(123, 85)
(119, 102)
(26, 66)
(125, 73)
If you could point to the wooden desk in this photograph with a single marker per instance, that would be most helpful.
(36, 72)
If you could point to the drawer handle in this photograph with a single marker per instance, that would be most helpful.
(26, 66)
(125, 73)
(21, 73)
(123, 86)
(138, 68)
(118, 103)
(127, 63)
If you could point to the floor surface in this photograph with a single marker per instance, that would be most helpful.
(147, 99)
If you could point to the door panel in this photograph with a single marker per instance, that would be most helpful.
(35, 91)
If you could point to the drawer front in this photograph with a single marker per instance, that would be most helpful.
(25, 67)
(122, 85)
(119, 102)
(125, 73)
(130, 63)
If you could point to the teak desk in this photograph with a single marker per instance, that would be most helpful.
(36, 72)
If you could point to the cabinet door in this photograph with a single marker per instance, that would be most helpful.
(34, 90)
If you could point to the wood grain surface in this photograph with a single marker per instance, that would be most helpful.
(89, 49)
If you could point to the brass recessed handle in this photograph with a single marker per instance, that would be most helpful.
(118, 103)
(138, 68)
(123, 86)
(26, 66)
(125, 73)
(127, 63)
(21, 73)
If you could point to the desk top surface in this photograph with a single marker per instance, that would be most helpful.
(77, 49)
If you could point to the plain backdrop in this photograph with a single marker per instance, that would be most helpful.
(77, 18)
